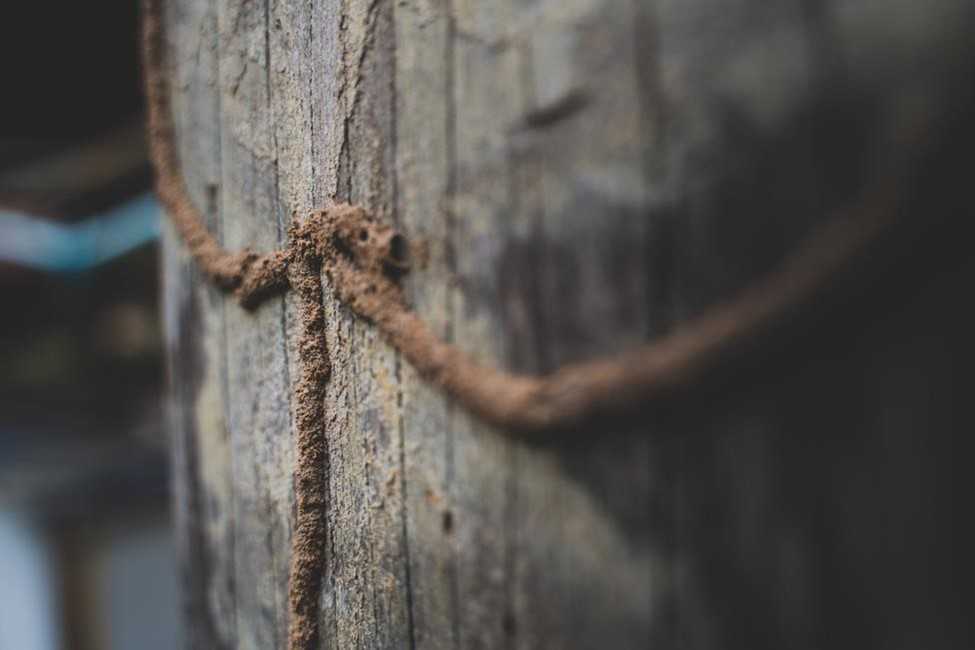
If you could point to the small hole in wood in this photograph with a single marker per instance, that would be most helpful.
(399, 250)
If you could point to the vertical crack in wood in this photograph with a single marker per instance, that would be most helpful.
(450, 261)
(398, 361)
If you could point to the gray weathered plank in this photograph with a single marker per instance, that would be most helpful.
(203, 491)
(257, 355)
(366, 605)
(424, 135)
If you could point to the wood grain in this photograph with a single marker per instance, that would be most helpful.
(586, 175)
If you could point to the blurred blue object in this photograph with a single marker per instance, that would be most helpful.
(28, 620)
(66, 248)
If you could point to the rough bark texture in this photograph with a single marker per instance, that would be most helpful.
(587, 174)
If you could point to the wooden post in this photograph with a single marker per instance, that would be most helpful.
(586, 174)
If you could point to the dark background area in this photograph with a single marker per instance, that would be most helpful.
(83, 72)
(82, 458)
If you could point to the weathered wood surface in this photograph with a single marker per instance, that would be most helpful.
(587, 174)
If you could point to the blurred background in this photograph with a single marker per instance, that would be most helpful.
(83, 496)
